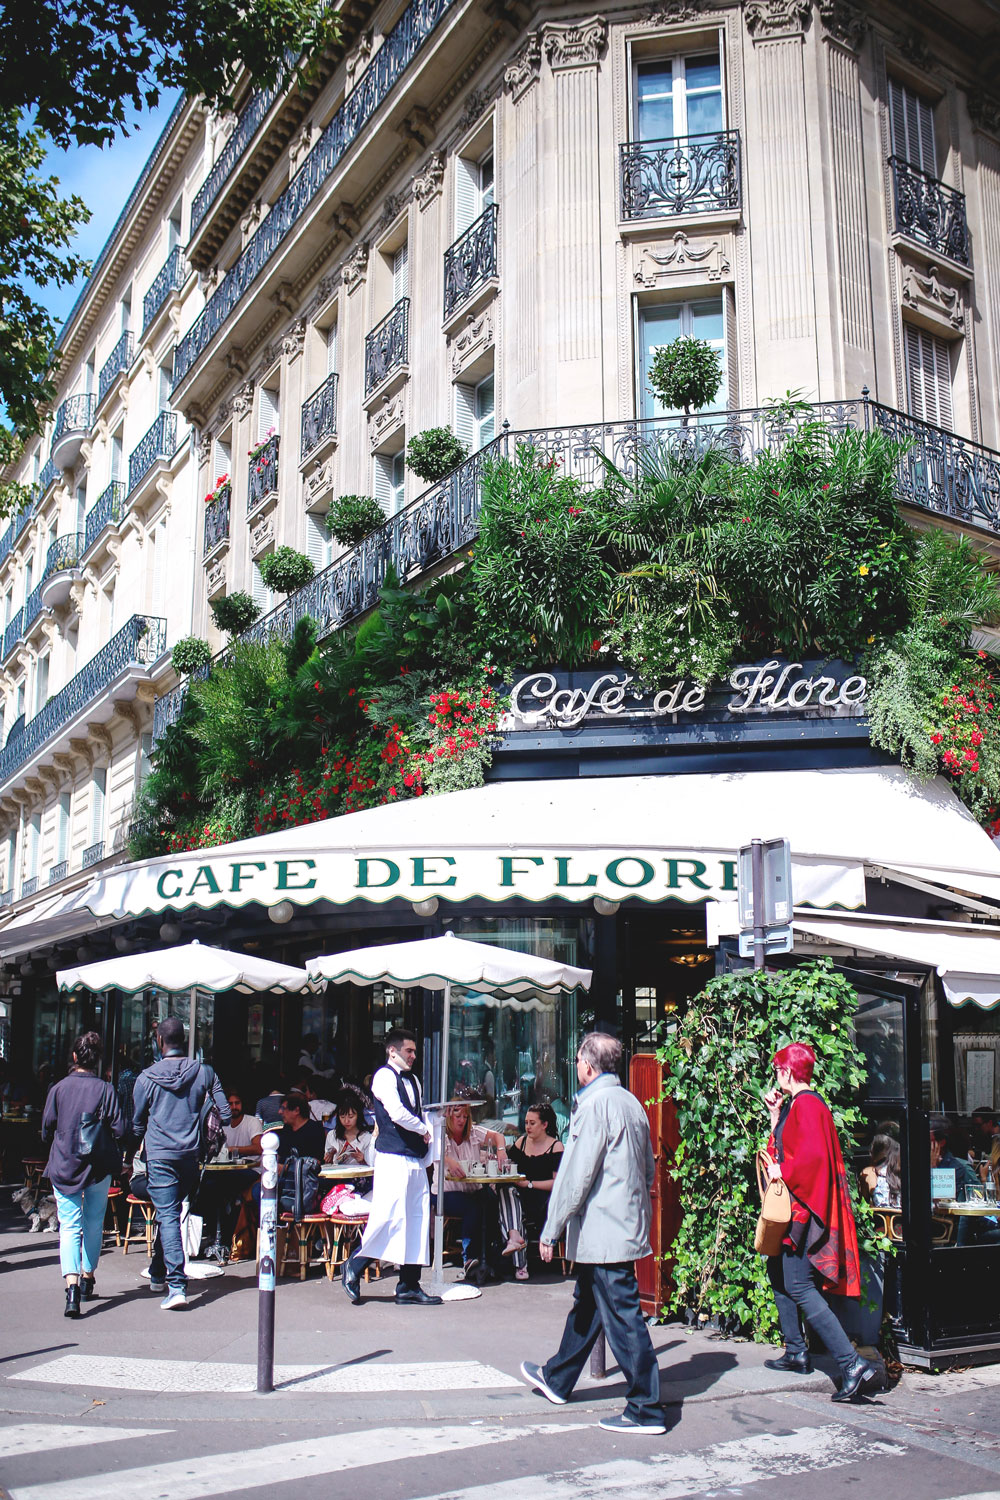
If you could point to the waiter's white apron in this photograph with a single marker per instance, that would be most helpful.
(400, 1218)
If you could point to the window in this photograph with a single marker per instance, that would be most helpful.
(399, 264)
(268, 413)
(89, 384)
(319, 542)
(911, 121)
(62, 827)
(98, 796)
(928, 377)
(661, 325)
(222, 461)
(8, 607)
(474, 189)
(475, 419)
(34, 839)
(125, 312)
(261, 594)
(160, 569)
(678, 96)
(145, 756)
(174, 229)
(117, 454)
(29, 577)
(41, 683)
(390, 476)
(11, 861)
(20, 699)
(165, 376)
(81, 506)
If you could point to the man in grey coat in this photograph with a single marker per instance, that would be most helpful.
(601, 1203)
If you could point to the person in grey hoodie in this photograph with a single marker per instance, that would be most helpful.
(601, 1202)
(169, 1103)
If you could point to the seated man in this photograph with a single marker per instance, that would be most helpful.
(972, 1229)
(298, 1132)
(322, 1109)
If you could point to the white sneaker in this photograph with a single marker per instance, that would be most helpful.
(174, 1299)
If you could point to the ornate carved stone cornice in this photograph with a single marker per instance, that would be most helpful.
(428, 183)
(293, 342)
(663, 12)
(984, 111)
(100, 735)
(355, 267)
(844, 22)
(520, 74)
(84, 750)
(575, 44)
(768, 19)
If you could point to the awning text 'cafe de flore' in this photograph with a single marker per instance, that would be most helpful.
(607, 837)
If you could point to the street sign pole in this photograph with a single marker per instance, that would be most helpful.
(764, 899)
(759, 928)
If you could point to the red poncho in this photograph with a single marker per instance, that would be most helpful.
(813, 1167)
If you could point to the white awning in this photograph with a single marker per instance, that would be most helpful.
(967, 958)
(646, 838)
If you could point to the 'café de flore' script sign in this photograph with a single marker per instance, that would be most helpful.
(557, 702)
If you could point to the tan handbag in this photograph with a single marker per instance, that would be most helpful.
(775, 1209)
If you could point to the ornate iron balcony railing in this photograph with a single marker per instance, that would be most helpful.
(12, 634)
(415, 25)
(107, 510)
(246, 128)
(63, 553)
(170, 278)
(6, 542)
(6, 898)
(927, 211)
(217, 518)
(138, 644)
(48, 476)
(471, 261)
(685, 174)
(29, 887)
(76, 414)
(59, 871)
(15, 731)
(938, 473)
(116, 364)
(32, 608)
(263, 473)
(387, 346)
(159, 442)
(93, 855)
(319, 416)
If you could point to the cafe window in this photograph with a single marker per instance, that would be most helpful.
(660, 325)
(678, 96)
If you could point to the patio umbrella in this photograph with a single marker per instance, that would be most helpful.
(184, 967)
(437, 964)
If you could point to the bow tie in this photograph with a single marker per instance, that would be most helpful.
(407, 1073)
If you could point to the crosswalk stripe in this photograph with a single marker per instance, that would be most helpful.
(220, 1473)
(667, 1476)
(40, 1437)
(111, 1372)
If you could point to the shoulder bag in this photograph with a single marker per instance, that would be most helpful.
(775, 1209)
(94, 1141)
(213, 1135)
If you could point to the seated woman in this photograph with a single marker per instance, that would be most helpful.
(463, 1143)
(880, 1178)
(536, 1155)
(350, 1143)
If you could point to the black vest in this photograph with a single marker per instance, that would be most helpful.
(392, 1137)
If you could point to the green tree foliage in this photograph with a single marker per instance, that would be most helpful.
(718, 1067)
(234, 613)
(190, 654)
(685, 373)
(434, 453)
(353, 517)
(286, 570)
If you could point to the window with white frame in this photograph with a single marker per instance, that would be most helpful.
(474, 188)
(29, 575)
(11, 871)
(678, 96)
(390, 479)
(20, 698)
(399, 264)
(34, 840)
(475, 413)
(259, 591)
(319, 542)
(117, 455)
(222, 460)
(268, 412)
(660, 325)
(8, 607)
(928, 377)
(98, 800)
(330, 337)
(63, 809)
(145, 756)
(81, 506)
(41, 682)
(125, 312)
(911, 122)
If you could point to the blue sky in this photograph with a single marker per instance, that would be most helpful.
(103, 179)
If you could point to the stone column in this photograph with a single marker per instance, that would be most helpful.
(519, 231)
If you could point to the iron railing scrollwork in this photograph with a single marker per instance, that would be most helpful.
(319, 417)
(75, 414)
(263, 473)
(107, 510)
(63, 553)
(217, 518)
(159, 442)
(15, 731)
(29, 886)
(471, 261)
(139, 643)
(243, 133)
(401, 45)
(6, 897)
(59, 871)
(387, 346)
(927, 211)
(116, 364)
(13, 633)
(32, 608)
(48, 476)
(93, 855)
(169, 278)
(686, 174)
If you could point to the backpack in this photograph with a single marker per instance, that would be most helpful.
(298, 1185)
(213, 1135)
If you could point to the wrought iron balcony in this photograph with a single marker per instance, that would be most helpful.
(217, 518)
(29, 887)
(116, 364)
(32, 608)
(927, 211)
(685, 174)
(107, 510)
(6, 542)
(63, 553)
(13, 633)
(387, 346)
(263, 473)
(471, 261)
(6, 898)
(59, 871)
(138, 644)
(73, 422)
(170, 278)
(15, 731)
(415, 25)
(49, 475)
(246, 128)
(159, 442)
(93, 855)
(319, 417)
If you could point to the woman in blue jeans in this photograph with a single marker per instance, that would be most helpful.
(80, 1177)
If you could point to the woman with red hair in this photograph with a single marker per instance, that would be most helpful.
(820, 1252)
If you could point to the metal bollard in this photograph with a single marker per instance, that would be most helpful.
(266, 1265)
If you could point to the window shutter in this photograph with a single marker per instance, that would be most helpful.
(487, 183)
(223, 461)
(145, 754)
(928, 373)
(98, 793)
(400, 272)
(331, 349)
(466, 193)
(62, 828)
(268, 410)
(912, 127)
(485, 411)
(318, 541)
(258, 590)
(465, 415)
(383, 483)
(34, 839)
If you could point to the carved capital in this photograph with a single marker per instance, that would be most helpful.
(575, 44)
(83, 750)
(416, 127)
(345, 219)
(77, 595)
(428, 183)
(51, 631)
(522, 72)
(476, 104)
(243, 399)
(205, 446)
(129, 714)
(294, 340)
(768, 19)
(215, 575)
(984, 111)
(355, 267)
(100, 736)
(145, 692)
(236, 362)
(357, 60)
(843, 22)
(392, 207)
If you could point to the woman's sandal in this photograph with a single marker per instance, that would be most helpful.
(521, 1273)
(514, 1244)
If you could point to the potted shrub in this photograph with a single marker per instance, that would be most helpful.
(190, 654)
(353, 517)
(434, 453)
(234, 613)
(284, 570)
(685, 373)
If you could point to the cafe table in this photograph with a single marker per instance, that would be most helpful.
(217, 1250)
(975, 1209)
(488, 1179)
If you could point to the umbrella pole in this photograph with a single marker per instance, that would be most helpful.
(438, 1273)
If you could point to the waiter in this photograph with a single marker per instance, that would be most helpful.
(399, 1223)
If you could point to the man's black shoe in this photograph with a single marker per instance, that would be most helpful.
(799, 1364)
(417, 1294)
(858, 1375)
(351, 1283)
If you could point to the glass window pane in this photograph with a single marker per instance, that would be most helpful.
(878, 1028)
(704, 113)
(702, 72)
(654, 101)
(706, 320)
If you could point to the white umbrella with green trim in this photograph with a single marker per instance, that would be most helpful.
(187, 966)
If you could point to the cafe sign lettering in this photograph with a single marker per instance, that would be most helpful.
(557, 700)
